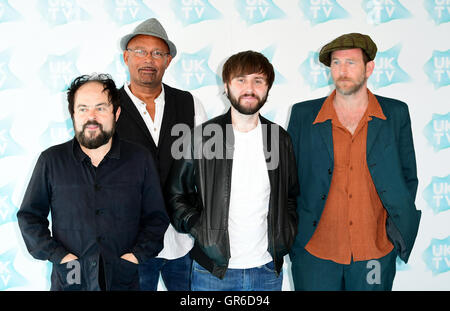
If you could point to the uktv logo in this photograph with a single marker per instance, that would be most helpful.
(7, 12)
(8, 147)
(437, 256)
(315, 74)
(128, 11)
(59, 12)
(437, 194)
(437, 131)
(439, 10)
(57, 133)
(438, 68)
(192, 70)
(321, 11)
(387, 70)
(9, 277)
(269, 52)
(118, 70)
(194, 11)
(59, 70)
(383, 11)
(258, 11)
(7, 79)
(7, 208)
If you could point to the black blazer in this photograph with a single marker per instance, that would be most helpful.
(179, 108)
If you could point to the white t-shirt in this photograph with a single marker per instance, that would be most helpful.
(249, 202)
(176, 244)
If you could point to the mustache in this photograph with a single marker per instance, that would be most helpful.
(148, 68)
(92, 122)
(249, 94)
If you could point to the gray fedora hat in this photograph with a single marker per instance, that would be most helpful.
(149, 27)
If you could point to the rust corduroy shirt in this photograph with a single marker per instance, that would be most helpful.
(353, 222)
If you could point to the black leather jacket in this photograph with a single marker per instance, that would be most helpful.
(198, 193)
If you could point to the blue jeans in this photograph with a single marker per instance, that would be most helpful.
(314, 274)
(175, 273)
(261, 278)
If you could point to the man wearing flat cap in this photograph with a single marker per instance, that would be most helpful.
(357, 175)
(150, 109)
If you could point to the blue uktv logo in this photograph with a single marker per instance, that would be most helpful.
(438, 68)
(7, 79)
(437, 194)
(258, 11)
(437, 256)
(9, 277)
(8, 209)
(314, 73)
(437, 131)
(8, 146)
(439, 10)
(125, 12)
(192, 70)
(57, 133)
(387, 70)
(321, 11)
(59, 70)
(269, 52)
(59, 12)
(7, 12)
(383, 11)
(194, 11)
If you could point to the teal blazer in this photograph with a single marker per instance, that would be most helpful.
(390, 158)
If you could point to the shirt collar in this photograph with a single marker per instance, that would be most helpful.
(138, 102)
(113, 153)
(327, 111)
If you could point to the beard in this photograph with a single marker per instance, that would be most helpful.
(93, 142)
(357, 85)
(236, 103)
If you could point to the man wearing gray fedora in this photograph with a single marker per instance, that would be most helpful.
(150, 109)
(357, 175)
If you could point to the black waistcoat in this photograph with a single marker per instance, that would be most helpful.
(179, 108)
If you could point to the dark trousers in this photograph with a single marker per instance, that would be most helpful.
(176, 273)
(314, 274)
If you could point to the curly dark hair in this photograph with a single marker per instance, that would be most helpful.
(102, 78)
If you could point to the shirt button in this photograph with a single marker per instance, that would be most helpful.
(94, 263)
(351, 168)
(350, 196)
(97, 187)
(350, 223)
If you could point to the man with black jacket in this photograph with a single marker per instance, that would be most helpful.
(235, 191)
(150, 109)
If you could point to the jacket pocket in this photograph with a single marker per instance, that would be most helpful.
(68, 275)
(126, 276)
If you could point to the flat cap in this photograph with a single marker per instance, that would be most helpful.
(345, 42)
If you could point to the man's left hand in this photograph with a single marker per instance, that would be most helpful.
(130, 257)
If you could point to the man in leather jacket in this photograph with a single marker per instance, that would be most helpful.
(234, 188)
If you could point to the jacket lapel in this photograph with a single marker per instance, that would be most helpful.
(373, 129)
(130, 108)
(169, 116)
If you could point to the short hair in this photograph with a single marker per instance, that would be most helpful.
(102, 78)
(248, 62)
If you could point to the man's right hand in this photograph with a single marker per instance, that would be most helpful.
(68, 257)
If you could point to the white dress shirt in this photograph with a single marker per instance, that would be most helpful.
(176, 244)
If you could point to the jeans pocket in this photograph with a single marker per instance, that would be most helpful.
(269, 267)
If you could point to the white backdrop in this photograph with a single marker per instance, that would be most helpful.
(44, 44)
